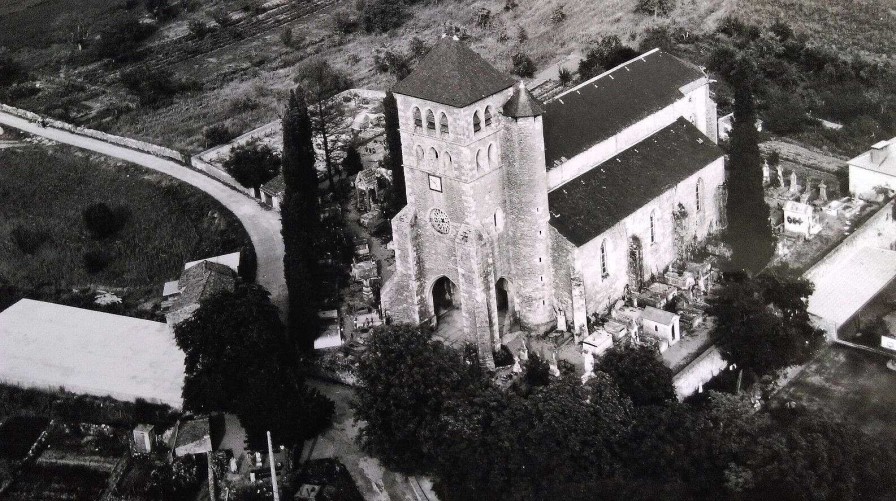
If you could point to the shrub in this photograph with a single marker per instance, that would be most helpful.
(10, 71)
(252, 165)
(565, 76)
(606, 54)
(558, 15)
(222, 17)
(784, 114)
(344, 22)
(198, 28)
(97, 260)
(28, 240)
(121, 41)
(380, 16)
(152, 87)
(654, 7)
(102, 221)
(538, 371)
(216, 134)
(523, 65)
(503, 357)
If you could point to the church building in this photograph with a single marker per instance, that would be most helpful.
(523, 215)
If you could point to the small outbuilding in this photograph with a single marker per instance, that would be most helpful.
(661, 324)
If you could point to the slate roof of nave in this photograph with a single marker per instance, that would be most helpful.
(592, 203)
(452, 74)
(605, 105)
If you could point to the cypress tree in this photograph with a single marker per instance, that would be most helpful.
(749, 231)
(299, 213)
(395, 162)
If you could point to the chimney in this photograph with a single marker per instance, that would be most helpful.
(879, 151)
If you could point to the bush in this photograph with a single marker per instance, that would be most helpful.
(152, 87)
(344, 22)
(216, 134)
(10, 71)
(97, 260)
(28, 240)
(121, 41)
(784, 114)
(654, 7)
(503, 357)
(102, 221)
(381, 16)
(608, 53)
(538, 371)
(198, 28)
(523, 65)
(565, 76)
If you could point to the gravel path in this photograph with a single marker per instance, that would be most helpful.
(262, 225)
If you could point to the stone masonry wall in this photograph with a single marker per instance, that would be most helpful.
(602, 291)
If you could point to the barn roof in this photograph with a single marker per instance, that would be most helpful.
(452, 74)
(592, 203)
(49, 345)
(608, 103)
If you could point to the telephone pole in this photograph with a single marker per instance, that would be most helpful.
(273, 468)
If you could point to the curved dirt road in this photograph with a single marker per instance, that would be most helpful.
(263, 226)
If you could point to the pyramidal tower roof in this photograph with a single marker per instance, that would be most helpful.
(452, 74)
(522, 104)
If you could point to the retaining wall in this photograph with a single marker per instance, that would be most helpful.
(152, 149)
(699, 372)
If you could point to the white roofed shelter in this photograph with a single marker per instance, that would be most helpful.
(842, 291)
(47, 345)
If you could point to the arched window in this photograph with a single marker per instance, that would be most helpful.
(603, 258)
(477, 125)
(433, 155)
(443, 124)
(418, 119)
(419, 153)
(480, 160)
(488, 116)
(697, 190)
(430, 121)
(652, 226)
(492, 154)
(446, 160)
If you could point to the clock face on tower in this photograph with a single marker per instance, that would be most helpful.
(435, 183)
(440, 221)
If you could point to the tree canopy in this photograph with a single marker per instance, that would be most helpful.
(238, 360)
(640, 374)
(426, 410)
(762, 323)
(252, 165)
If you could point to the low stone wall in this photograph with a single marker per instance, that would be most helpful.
(699, 372)
(133, 144)
(214, 172)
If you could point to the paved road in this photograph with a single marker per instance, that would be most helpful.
(262, 225)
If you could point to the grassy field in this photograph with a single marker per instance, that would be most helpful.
(170, 223)
(243, 84)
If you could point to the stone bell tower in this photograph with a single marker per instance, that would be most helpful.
(471, 246)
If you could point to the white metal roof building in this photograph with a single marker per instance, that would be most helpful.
(842, 291)
(46, 345)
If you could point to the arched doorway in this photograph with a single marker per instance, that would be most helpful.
(635, 264)
(444, 296)
(504, 304)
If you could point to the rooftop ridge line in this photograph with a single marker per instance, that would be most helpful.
(611, 70)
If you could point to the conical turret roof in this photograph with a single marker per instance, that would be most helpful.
(454, 75)
(522, 104)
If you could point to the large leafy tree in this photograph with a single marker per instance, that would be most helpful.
(252, 165)
(762, 323)
(300, 219)
(406, 379)
(640, 374)
(238, 360)
(749, 230)
(394, 159)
